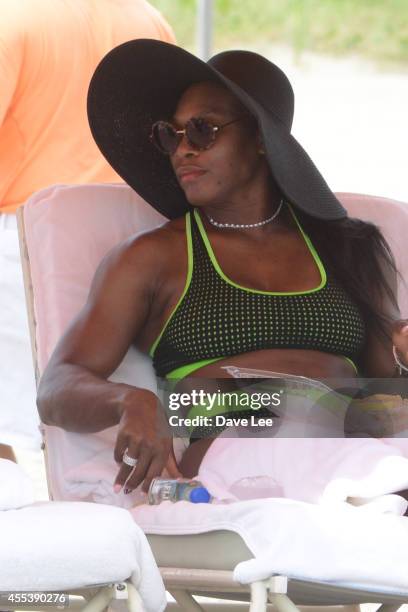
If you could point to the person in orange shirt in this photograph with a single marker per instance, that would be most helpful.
(49, 50)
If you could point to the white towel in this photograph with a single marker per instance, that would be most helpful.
(319, 470)
(61, 546)
(16, 489)
(340, 544)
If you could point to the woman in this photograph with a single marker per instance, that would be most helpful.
(259, 265)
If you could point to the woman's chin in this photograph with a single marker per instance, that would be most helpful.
(196, 198)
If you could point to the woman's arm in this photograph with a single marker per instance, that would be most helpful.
(74, 385)
(378, 360)
(74, 393)
(383, 412)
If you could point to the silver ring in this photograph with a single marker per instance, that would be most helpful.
(130, 461)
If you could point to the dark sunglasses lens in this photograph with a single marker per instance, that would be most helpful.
(165, 137)
(199, 132)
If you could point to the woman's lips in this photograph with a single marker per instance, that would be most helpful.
(190, 175)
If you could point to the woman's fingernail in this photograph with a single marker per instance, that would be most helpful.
(117, 488)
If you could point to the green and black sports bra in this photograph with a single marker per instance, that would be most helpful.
(216, 318)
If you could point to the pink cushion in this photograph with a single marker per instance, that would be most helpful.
(68, 230)
(392, 218)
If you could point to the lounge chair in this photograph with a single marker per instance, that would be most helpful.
(65, 231)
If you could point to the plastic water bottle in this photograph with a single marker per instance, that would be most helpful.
(256, 487)
(166, 489)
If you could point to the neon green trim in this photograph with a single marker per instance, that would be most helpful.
(187, 369)
(260, 291)
(351, 362)
(186, 286)
(314, 253)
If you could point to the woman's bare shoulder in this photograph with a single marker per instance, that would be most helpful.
(155, 246)
(137, 266)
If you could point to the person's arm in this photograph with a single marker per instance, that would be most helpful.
(74, 393)
(382, 412)
(378, 359)
(11, 65)
(164, 31)
(11, 52)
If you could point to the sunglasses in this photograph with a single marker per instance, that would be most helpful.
(200, 134)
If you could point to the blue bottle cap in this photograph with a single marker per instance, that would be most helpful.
(200, 495)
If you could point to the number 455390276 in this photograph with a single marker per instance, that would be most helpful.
(34, 597)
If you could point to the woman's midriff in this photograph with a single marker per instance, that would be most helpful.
(312, 364)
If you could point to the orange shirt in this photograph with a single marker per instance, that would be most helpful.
(48, 52)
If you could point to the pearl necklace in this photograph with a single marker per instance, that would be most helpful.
(246, 225)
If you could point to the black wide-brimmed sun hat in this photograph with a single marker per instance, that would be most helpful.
(141, 82)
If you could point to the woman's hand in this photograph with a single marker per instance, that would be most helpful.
(172, 467)
(400, 339)
(145, 435)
